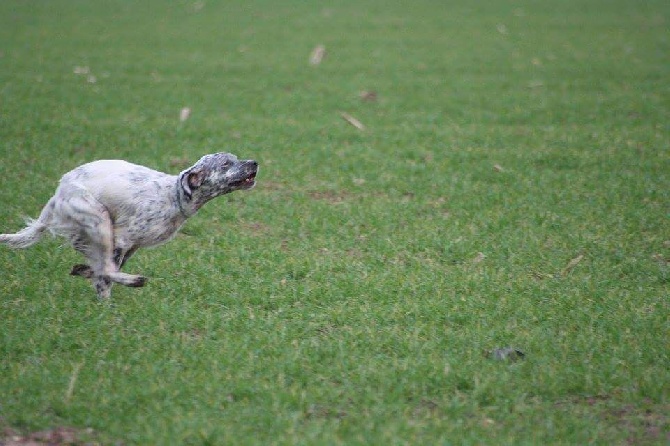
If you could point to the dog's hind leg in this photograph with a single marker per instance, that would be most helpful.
(82, 270)
(120, 259)
(93, 236)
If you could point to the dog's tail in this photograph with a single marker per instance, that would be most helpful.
(32, 233)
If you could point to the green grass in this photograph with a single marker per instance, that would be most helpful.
(345, 299)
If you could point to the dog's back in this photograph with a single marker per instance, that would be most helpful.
(114, 182)
(105, 169)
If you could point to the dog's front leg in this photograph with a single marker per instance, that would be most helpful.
(121, 256)
(103, 286)
(120, 259)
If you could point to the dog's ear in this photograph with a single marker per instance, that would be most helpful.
(191, 180)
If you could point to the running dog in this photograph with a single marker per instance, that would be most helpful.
(108, 209)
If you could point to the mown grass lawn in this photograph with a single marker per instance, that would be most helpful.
(511, 188)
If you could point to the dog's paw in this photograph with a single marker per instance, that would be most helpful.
(139, 282)
(82, 270)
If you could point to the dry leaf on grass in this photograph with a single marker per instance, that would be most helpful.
(498, 168)
(368, 96)
(353, 121)
(571, 264)
(479, 257)
(317, 55)
(541, 276)
(184, 114)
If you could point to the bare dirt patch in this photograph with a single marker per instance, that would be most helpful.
(58, 436)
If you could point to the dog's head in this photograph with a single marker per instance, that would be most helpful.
(216, 174)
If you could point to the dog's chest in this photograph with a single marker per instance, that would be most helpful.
(148, 225)
(145, 214)
(152, 231)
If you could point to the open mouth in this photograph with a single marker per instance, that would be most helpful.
(248, 181)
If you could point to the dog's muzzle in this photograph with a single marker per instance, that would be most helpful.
(249, 169)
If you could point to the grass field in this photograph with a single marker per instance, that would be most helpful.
(511, 188)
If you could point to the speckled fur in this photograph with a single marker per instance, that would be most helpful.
(110, 208)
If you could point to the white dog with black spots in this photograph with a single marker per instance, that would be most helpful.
(108, 209)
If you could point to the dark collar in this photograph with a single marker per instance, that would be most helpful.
(180, 197)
